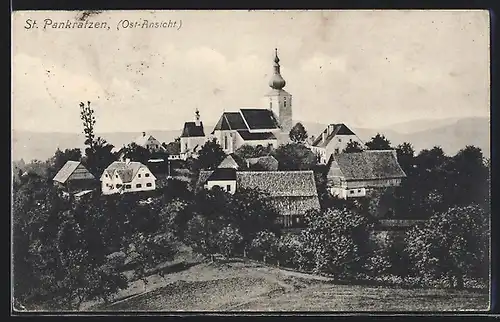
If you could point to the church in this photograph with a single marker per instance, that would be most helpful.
(266, 126)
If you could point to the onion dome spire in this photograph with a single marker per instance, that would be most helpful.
(276, 82)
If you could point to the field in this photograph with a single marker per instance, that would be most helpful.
(249, 286)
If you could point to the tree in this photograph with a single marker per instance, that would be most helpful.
(298, 133)
(98, 154)
(264, 244)
(294, 156)
(247, 151)
(468, 177)
(353, 146)
(378, 142)
(336, 240)
(173, 148)
(228, 240)
(152, 250)
(137, 153)
(452, 244)
(210, 155)
(406, 157)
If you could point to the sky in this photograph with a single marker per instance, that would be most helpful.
(363, 68)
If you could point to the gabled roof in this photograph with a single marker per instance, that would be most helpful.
(247, 136)
(223, 174)
(229, 163)
(331, 131)
(143, 139)
(266, 162)
(366, 165)
(126, 171)
(259, 119)
(279, 183)
(231, 121)
(192, 130)
(73, 170)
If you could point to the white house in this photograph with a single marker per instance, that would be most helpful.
(333, 140)
(225, 178)
(122, 177)
(149, 142)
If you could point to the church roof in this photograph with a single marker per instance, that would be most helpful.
(366, 165)
(73, 170)
(259, 118)
(191, 130)
(247, 136)
(331, 131)
(231, 121)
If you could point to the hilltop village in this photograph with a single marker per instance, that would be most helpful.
(294, 192)
(94, 225)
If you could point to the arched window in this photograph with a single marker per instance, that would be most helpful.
(284, 101)
(225, 142)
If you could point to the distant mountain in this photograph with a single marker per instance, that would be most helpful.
(450, 134)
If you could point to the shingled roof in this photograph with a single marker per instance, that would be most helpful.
(330, 132)
(279, 183)
(192, 130)
(366, 165)
(126, 171)
(266, 162)
(73, 170)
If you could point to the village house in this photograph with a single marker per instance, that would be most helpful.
(192, 138)
(73, 177)
(292, 193)
(128, 176)
(148, 142)
(352, 174)
(333, 140)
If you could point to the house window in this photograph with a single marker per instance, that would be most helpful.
(149, 184)
(116, 176)
(337, 150)
(225, 142)
(270, 105)
(185, 146)
(138, 185)
(351, 192)
(147, 175)
(284, 101)
(118, 186)
(228, 188)
(106, 175)
(340, 140)
(359, 190)
(128, 186)
(139, 175)
(350, 140)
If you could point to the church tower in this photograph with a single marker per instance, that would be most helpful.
(278, 100)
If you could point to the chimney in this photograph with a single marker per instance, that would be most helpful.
(330, 129)
(197, 118)
(143, 133)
